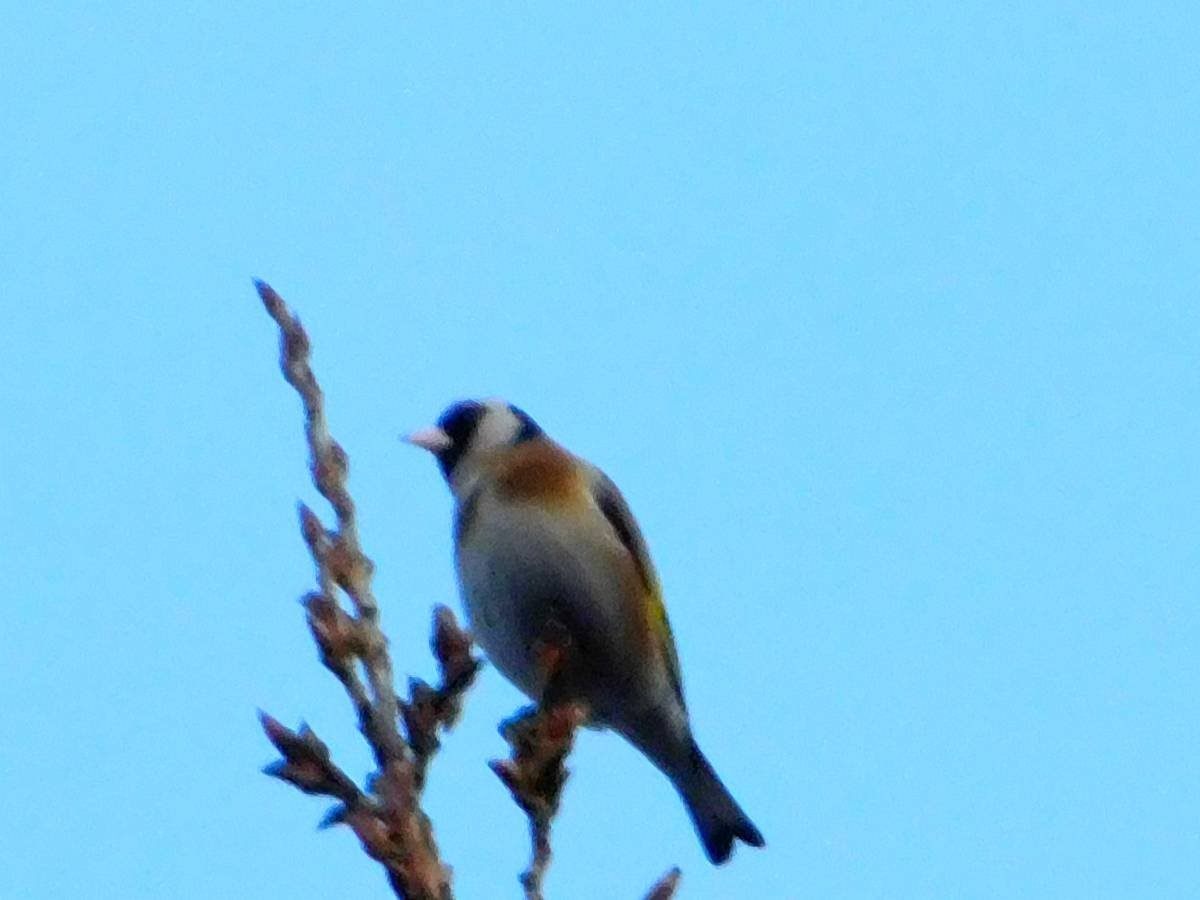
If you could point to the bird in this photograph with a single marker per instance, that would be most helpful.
(548, 554)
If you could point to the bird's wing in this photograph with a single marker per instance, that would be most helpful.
(611, 502)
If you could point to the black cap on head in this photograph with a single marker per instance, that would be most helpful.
(459, 421)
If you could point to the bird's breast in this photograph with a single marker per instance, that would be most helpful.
(526, 570)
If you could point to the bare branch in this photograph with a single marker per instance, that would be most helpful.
(337, 553)
(541, 738)
(387, 818)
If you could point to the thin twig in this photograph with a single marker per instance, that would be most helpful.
(430, 710)
(340, 560)
(535, 774)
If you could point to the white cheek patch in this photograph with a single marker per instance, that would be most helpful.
(498, 427)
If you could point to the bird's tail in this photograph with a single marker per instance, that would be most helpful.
(717, 817)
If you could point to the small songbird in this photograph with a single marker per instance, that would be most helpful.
(549, 556)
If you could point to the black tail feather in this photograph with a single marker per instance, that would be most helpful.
(717, 817)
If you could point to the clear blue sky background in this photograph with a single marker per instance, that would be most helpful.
(885, 318)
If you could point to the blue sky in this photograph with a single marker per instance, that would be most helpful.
(884, 317)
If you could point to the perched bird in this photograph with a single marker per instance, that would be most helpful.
(549, 556)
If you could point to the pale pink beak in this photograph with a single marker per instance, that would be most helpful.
(432, 439)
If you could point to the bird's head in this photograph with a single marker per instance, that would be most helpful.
(468, 432)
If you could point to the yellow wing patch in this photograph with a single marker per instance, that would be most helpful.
(661, 628)
(608, 497)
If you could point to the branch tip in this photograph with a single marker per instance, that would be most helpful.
(665, 887)
(335, 816)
